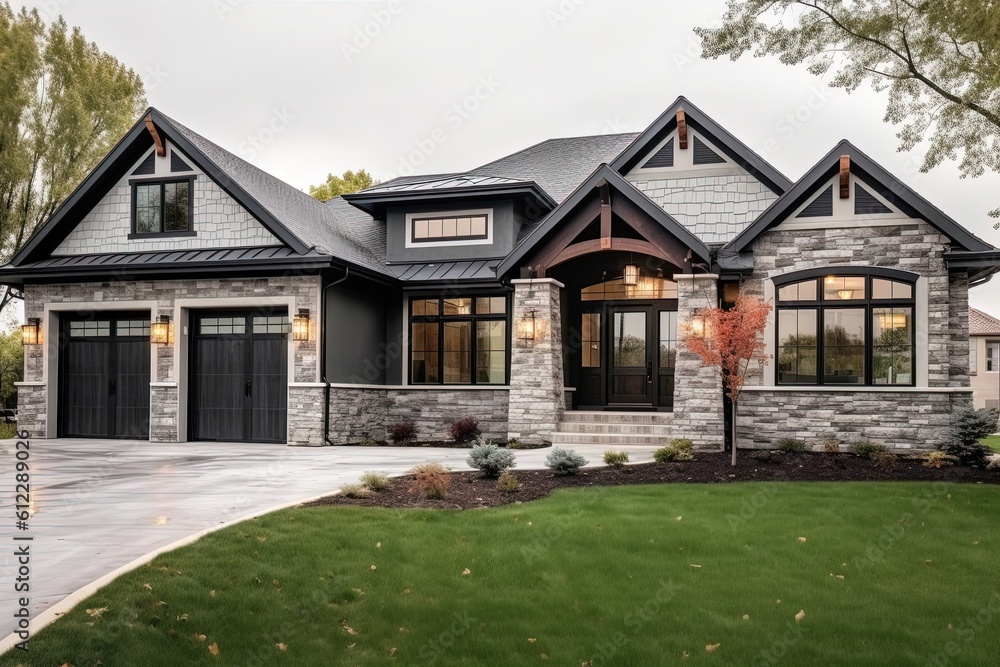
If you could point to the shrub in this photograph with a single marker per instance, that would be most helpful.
(508, 483)
(514, 443)
(868, 449)
(969, 426)
(564, 461)
(368, 441)
(464, 429)
(355, 491)
(884, 459)
(679, 449)
(375, 481)
(968, 454)
(490, 459)
(430, 480)
(403, 432)
(615, 459)
(791, 445)
(993, 462)
(938, 460)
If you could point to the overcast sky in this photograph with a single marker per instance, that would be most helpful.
(305, 88)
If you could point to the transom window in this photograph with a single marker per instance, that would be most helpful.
(162, 207)
(458, 340)
(453, 227)
(846, 330)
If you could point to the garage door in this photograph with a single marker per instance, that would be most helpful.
(239, 367)
(104, 376)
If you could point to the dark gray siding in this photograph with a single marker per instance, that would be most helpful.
(394, 325)
(356, 336)
(503, 233)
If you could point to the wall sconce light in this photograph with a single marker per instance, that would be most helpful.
(159, 331)
(526, 329)
(631, 275)
(698, 326)
(31, 333)
(300, 325)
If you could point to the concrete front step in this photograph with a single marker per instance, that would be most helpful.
(562, 438)
(579, 417)
(623, 429)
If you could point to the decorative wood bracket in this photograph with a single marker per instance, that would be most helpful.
(845, 176)
(682, 130)
(606, 240)
(161, 149)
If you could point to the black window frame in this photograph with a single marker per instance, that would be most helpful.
(869, 304)
(414, 241)
(136, 182)
(472, 317)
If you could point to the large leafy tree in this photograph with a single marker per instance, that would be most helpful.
(351, 181)
(64, 103)
(938, 61)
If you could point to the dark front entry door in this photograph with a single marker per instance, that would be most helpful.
(631, 380)
(104, 376)
(239, 368)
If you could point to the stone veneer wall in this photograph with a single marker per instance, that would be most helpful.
(901, 420)
(164, 394)
(357, 414)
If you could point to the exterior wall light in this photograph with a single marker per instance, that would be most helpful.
(300, 325)
(631, 275)
(31, 333)
(159, 331)
(526, 328)
(698, 326)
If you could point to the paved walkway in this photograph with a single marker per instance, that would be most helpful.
(99, 505)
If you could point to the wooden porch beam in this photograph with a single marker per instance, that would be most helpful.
(682, 130)
(845, 176)
(606, 240)
(673, 250)
(573, 228)
(161, 149)
(620, 244)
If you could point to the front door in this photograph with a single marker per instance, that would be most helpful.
(239, 365)
(631, 377)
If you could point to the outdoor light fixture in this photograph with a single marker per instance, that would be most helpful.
(300, 325)
(31, 333)
(159, 331)
(526, 328)
(698, 326)
(631, 275)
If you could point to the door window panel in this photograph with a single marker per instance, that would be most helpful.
(668, 339)
(629, 339)
(591, 340)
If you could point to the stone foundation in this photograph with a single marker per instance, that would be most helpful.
(305, 415)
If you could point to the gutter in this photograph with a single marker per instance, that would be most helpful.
(322, 353)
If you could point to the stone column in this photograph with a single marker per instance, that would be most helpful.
(163, 390)
(698, 406)
(536, 366)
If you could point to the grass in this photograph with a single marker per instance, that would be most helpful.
(618, 576)
(7, 431)
(993, 442)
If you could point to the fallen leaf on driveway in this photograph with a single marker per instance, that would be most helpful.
(213, 648)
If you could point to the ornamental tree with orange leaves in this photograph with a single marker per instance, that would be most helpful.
(731, 340)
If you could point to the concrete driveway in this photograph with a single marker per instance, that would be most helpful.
(99, 505)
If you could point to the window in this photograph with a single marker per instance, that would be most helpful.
(668, 338)
(973, 356)
(458, 340)
(162, 207)
(992, 356)
(462, 227)
(590, 340)
(846, 330)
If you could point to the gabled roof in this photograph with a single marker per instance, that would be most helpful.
(981, 324)
(603, 173)
(876, 177)
(718, 135)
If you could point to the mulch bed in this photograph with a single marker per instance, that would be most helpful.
(469, 490)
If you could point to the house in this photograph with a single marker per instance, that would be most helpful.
(180, 293)
(984, 359)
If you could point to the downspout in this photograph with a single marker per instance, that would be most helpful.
(322, 354)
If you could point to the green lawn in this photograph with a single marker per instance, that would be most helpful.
(888, 574)
(993, 442)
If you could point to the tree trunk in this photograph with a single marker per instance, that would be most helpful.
(734, 434)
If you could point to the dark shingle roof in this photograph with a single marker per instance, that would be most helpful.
(981, 324)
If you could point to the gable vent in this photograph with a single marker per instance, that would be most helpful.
(663, 157)
(866, 204)
(705, 155)
(147, 167)
(176, 163)
(820, 207)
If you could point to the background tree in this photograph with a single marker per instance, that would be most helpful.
(938, 61)
(351, 181)
(732, 340)
(11, 363)
(64, 104)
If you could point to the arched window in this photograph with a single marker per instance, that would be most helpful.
(848, 327)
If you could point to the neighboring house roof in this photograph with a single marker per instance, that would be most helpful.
(874, 176)
(981, 324)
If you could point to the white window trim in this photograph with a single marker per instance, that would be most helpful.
(488, 212)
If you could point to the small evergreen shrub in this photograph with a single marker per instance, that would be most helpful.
(490, 459)
(508, 483)
(375, 481)
(679, 449)
(430, 480)
(969, 426)
(464, 429)
(791, 445)
(514, 443)
(368, 441)
(615, 459)
(938, 460)
(355, 491)
(968, 454)
(868, 449)
(564, 461)
(884, 459)
(403, 432)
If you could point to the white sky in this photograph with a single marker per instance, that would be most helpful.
(291, 86)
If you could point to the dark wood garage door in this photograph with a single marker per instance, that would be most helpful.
(104, 376)
(239, 368)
